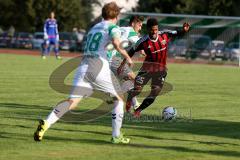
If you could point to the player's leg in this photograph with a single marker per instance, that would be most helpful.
(45, 51)
(141, 79)
(117, 119)
(155, 90)
(81, 89)
(132, 76)
(106, 81)
(158, 79)
(128, 76)
(56, 49)
(59, 110)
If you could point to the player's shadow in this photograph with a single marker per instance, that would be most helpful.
(215, 128)
(146, 146)
(24, 111)
(23, 106)
(24, 137)
(27, 111)
(183, 140)
(97, 141)
(12, 135)
(82, 131)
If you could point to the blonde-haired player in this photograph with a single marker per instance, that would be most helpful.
(94, 73)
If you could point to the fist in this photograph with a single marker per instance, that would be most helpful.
(186, 26)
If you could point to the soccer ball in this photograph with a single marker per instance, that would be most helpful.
(169, 113)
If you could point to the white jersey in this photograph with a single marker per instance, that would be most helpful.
(99, 37)
(94, 71)
(128, 38)
(128, 33)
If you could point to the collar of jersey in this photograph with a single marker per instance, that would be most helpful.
(153, 40)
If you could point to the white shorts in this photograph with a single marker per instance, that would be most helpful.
(94, 73)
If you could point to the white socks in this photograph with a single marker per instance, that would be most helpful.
(117, 115)
(58, 112)
(117, 118)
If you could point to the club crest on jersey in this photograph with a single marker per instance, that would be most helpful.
(163, 42)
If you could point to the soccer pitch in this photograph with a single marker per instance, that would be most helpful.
(206, 97)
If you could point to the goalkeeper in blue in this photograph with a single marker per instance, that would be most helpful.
(51, 36)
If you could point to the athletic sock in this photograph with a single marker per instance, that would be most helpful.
(56, 51)
(117, 118)
(58, 112)
(146, 102)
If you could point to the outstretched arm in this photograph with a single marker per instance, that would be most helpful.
(177, 33)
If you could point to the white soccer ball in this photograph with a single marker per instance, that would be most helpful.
(169, 113)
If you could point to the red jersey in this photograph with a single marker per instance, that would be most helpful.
(155, 50)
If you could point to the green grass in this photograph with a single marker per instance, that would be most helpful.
(206, 97)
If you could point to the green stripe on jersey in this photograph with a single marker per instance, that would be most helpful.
(111, 32)
(132, 33)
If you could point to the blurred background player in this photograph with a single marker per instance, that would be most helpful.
(129, 36)
(94, 73)
(51, 36)
(155, 45)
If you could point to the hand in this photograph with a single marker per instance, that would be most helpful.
(57, 37)
(130, 62)
(45, 37)
(186, 26)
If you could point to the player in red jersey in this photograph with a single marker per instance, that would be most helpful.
(155, 45)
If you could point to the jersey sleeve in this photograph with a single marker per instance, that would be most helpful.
(114, 31)
(45, 27)
(172, 33)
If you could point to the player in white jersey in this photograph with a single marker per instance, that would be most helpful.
(129, 36)
(94, 73)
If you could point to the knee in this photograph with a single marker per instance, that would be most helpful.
(73, 102)
(157, 88)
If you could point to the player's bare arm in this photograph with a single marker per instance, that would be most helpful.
(116, 44)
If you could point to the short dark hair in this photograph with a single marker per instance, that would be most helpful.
(152, 22)
(110, 10)
(136, 19)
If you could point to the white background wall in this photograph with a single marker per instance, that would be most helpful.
(127, 5)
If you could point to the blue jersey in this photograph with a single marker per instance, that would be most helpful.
(51, 28)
